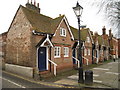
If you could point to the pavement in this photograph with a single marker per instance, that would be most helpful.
(104, 76)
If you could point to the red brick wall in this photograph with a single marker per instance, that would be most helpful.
(65, 62)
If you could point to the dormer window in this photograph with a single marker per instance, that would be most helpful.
(63, 32)
(88, 39)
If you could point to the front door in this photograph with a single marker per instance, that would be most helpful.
(42, 59)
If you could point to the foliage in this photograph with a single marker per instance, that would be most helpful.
(111, 8)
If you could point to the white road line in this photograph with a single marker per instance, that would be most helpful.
(97, 81)
(13, 83)
(101, 69)
(95, 75)
(112, 73)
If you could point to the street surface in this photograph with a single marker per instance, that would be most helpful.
(9, 81)
(106, 75)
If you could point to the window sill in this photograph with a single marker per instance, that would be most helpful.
(56, 56)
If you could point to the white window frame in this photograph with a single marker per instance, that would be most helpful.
(66, 52)
(85, 52)
(63, 32)
(88, 39)
(57, 52)
(88, 51)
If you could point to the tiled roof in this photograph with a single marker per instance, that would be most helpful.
(40, 22)
(84, 33)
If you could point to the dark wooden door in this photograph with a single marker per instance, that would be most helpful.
(42, 59)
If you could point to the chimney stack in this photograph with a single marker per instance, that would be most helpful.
(104, 30)
(32, 6)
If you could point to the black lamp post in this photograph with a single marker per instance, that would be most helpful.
(78, 12)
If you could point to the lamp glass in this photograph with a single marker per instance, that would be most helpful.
(78, 10)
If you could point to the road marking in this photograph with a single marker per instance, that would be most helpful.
(97, 81)
(112, 73)
(101, 69)
(13, 83)
(95, 75)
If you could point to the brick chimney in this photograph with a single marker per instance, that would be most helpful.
(33, 6)
(104, 30)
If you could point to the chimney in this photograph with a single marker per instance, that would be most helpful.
(31, 1)
(33, 6)
(110, 32)
(34, 3)
(59, 15)
(104, 30)
(28, 1)
(38, 5)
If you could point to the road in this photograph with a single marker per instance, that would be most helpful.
(108, 74)
(10, 81)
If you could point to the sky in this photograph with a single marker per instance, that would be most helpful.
(53, 8)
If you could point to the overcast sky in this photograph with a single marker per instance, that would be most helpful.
(53, 8)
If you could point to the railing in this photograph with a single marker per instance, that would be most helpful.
(54, 66)
(77, 61)
(85, 59)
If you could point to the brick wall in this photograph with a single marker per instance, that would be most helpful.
(18, 41)
(64, 62)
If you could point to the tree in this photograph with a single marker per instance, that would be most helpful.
(111, 8)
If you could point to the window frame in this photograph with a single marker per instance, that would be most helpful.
(57, 52)
(63, 32)
(88, 39)
(66, 51)
(89, 52)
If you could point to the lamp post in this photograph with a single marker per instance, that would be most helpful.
(78, 12)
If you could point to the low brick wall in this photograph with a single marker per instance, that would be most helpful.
(20, 70)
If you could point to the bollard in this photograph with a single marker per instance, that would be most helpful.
(89, 77)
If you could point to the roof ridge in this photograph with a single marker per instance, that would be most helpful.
(35, 12)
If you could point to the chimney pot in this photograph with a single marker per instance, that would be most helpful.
(31, 1)
(38, 5)
(59, 15)
(28, 1)
(34, 2)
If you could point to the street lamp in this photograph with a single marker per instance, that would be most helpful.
(78, 12)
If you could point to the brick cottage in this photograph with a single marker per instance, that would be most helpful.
(48, 45)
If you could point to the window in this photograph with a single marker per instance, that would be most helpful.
(57, 52)
(85, 52)
(62, 32)
(88, 39)
(88, 51)
(66, 52)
